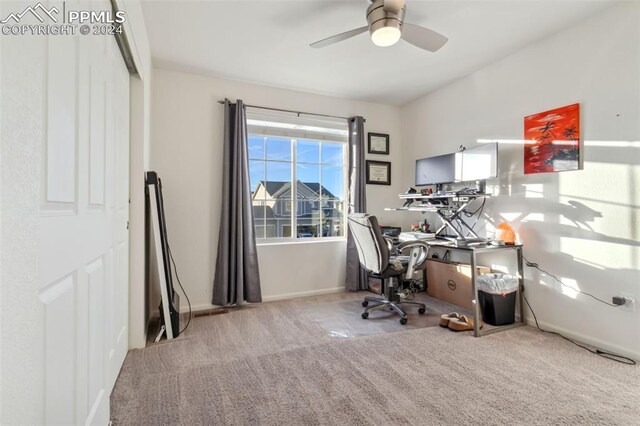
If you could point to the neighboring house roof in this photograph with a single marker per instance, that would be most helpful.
(273, 187)
(315, 187)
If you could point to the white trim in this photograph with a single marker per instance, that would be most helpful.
(260, 242)
(200, 308)
(581, 338)
(207, 306)
(296, 295)
(133, 43)
(294, 186)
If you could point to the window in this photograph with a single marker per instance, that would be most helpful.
(298, 180)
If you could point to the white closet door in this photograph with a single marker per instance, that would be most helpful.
(83, 226)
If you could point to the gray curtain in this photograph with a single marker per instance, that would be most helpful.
(237, 277)
(356, 275)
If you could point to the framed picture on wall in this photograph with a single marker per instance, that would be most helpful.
(552, 140)
(378, 143)
(378, 172)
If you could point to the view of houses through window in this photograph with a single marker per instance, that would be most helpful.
(298, 187)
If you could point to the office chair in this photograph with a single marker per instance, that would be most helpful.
(374, 254)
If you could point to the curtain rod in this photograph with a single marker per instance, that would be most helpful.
(294, 112)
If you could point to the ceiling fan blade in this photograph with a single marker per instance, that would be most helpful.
(339, 37)
(393, 6)
(423, 38)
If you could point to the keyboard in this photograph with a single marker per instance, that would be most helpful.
(416, 236)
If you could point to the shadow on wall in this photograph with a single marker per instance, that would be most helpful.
(581, 225)
(532, 218)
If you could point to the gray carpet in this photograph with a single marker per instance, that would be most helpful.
(274, 364)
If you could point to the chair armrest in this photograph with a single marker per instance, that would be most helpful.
(422, 256)
(411, 244)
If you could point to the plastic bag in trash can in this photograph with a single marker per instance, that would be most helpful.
(497, 283)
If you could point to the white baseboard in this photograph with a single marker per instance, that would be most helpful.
(303, 294)
(198, 308)
(207, 306)
(581, 338)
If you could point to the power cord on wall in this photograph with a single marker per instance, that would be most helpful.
(535, 265)
(175, 269)
(608, 355)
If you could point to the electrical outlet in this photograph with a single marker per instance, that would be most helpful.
(630, 302)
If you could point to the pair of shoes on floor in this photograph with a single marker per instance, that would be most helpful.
(457, 322)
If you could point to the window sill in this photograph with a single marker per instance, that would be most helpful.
(296, 241)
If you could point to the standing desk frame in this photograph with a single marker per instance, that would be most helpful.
(448, 213)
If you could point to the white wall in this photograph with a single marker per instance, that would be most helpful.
(584, 225)
(186, 151)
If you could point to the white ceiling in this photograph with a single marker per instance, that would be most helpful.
(266, 42)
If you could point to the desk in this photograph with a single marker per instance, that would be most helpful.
(472, 251)
(449, 206)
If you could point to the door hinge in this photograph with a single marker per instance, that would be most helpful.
(127, 225)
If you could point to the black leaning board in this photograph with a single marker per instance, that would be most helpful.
(154, 183)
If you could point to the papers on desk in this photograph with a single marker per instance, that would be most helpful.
(416, 236)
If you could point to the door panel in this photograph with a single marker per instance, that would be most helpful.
(60, 155)
(59, 300)
(84, 248)
(96, 354)
(97, 151)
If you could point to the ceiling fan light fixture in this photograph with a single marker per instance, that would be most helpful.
(386, 36)
(385, 22)
(385, 19)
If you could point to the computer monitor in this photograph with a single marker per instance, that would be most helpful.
(436, 170)
(477, 163)
(391, 231)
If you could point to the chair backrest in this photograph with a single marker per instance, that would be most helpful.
(372, 247)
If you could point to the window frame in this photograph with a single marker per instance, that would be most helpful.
(294, 239)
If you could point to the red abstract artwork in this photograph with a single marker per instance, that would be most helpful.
(552, 140)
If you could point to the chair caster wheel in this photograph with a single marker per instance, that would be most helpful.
(365, 303)
(365, 315)
(421, 311)
(403, 321)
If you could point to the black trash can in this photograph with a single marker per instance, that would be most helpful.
(497, 298)
(497, 309)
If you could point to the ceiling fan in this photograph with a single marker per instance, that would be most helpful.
(386, 25)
